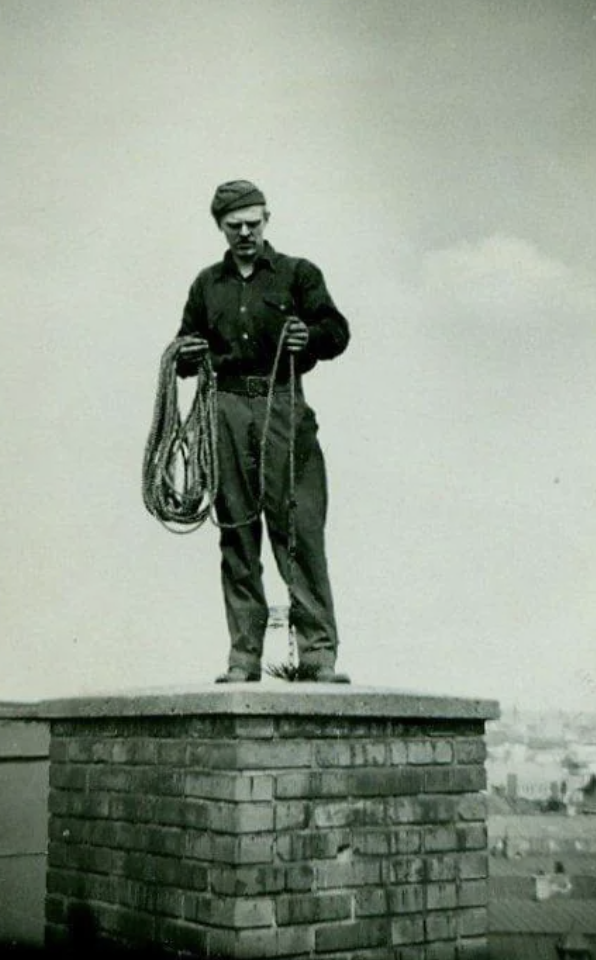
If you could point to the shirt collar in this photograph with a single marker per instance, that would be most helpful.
(266, 258)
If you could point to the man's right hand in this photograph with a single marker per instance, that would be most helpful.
(193, 349)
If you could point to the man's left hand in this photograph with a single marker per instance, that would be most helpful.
(296, 335)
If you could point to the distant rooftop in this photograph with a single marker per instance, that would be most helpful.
(554, 916)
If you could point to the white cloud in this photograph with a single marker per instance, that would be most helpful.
(507, 279)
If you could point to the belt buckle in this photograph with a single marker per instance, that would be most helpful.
(256, 386)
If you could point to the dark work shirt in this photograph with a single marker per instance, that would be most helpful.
(240, 319)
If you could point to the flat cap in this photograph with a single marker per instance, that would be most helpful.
(234, 195)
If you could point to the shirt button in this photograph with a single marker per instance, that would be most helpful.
(242, 309)
(245, 336)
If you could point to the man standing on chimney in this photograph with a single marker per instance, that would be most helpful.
(242, 306)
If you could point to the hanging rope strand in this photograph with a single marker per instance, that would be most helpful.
(180, 465)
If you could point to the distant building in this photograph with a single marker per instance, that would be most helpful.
(523, 926)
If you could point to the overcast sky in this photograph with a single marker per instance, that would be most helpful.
(437, 159)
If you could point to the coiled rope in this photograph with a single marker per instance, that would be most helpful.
(180, 476)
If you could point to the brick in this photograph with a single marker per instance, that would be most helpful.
(300, 876)
(313, 728)
(58, 854)
(332, 754)
(233, 786)
(256, 912)
(223, 943)
(443, 751)
(255, 849)
(471, 750)
(80, 751)
(58, 750)
(473, 948)
(296, 784)
(407, 930)
(371, 842)
(295, 941)
(139, 895)
(311, 845)
(454, 779)
(442, 950)
(350, 874)
(68, 829)
(200, 846)
(377, 781)
(313, 908)
(369, 813)
(207, 909)
(257, 944)
(440, 838)
(292, 814)
(112, 779)
(115, 833)
(406, 841)
(160, 781)
(348, 936)
(168, 841)
(402, 953)
(398, 753)
(170, 811)
(121, 923)
(472, 807)
(132, 807)
(240, 818)
(440, 926)
(209, 755)
(193, 876)
(472, 893)
(78, 804)
(255, 727)
(175, 872)
(302, 783)
(407, 898)
(197, 814)
(473, 866)
(441, 867)
(368, 754)
(247, 881)
(472, 836)
(404, 810)
(212, 728)
(271, 755)
(404, 870)
(64, 882)
(67, 776)
(96, 859)
(171, 753)
(338, 814)
(420, 751)
(472, 922)
(371, 902)
(441, 896)
(438, 809)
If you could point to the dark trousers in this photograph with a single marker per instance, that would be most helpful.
(240, 427)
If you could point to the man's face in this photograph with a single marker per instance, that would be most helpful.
(244, 231)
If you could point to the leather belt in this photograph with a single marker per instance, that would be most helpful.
(252, 386)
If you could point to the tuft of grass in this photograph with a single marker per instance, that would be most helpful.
(291, 672)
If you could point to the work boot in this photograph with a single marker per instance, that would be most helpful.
(328, 675)
(240, 675)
